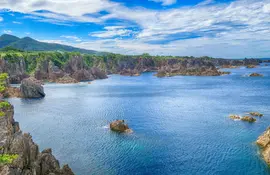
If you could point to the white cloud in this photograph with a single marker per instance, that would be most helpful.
(27, 33)
(238, 28)
(112, 31)
(74, 38)
(165, 2)
(16, 22)
(7, 31)
(1, 19)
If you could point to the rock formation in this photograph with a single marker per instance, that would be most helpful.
(248, 119)
(120, 126)
(26, 158)
(32, 88)
(255, 75)
(264, 142)
(235, 117)
(256, 114)
(66, 80)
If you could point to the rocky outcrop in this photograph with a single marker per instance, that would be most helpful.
(28, 159)
(66, 80)
(251, 66)
(264, 142)
(255, 75)
(188, 67)
(248, 119)
(12, 92)
(32, 88)
(46, 70)
(120, 126)
(256, 114)
(15, 67)
(235, 117)
(233, 63)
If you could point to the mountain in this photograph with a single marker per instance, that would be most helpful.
(30, 44)
(6, 39)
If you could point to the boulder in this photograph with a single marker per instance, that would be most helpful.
(119, 126)
(32, 88)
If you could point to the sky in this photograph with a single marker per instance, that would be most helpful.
(217, 28)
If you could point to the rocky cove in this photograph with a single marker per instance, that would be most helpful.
(76, 69)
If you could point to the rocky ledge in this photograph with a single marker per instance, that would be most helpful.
(264, 142)
(19, 154)
(120, 126)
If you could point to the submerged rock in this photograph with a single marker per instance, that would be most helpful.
(255, 75)
(248, 119)
(119, 126)
(224, 73)
(264, 142)
(27, 160)
(32, 88)
(256, 114)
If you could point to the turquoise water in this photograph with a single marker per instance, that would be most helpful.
(180, 124)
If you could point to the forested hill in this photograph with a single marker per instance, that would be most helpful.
(30, 44)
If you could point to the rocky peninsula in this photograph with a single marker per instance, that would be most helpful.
(19, 154)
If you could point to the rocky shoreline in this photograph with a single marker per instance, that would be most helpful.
(78, 67)
(24, 155)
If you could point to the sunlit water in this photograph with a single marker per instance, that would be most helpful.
(180, 124)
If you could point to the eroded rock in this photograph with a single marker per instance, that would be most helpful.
(32, 88)
(120, 126)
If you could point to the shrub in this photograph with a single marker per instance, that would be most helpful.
(8, 158)
(4, 105)
(2, 114)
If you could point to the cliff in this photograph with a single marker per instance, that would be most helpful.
(19, 154)
(52, 66)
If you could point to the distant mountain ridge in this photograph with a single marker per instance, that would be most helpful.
(30, 44)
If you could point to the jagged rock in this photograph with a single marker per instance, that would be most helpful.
(264, 142)
(97, 73)
(12, 92)
(29, 161)
(248, 119)
(120, 126)
(32, 88)
(66, 80)
(256, 114)
(255, 75)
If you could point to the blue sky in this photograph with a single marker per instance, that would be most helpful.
(218, 28)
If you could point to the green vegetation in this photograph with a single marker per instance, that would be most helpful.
(4, 105)
(3, 82)
(8, 158)
(2, 114)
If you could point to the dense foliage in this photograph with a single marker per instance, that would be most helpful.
(3, 82)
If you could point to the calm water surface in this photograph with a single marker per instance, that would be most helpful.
(180, 124)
